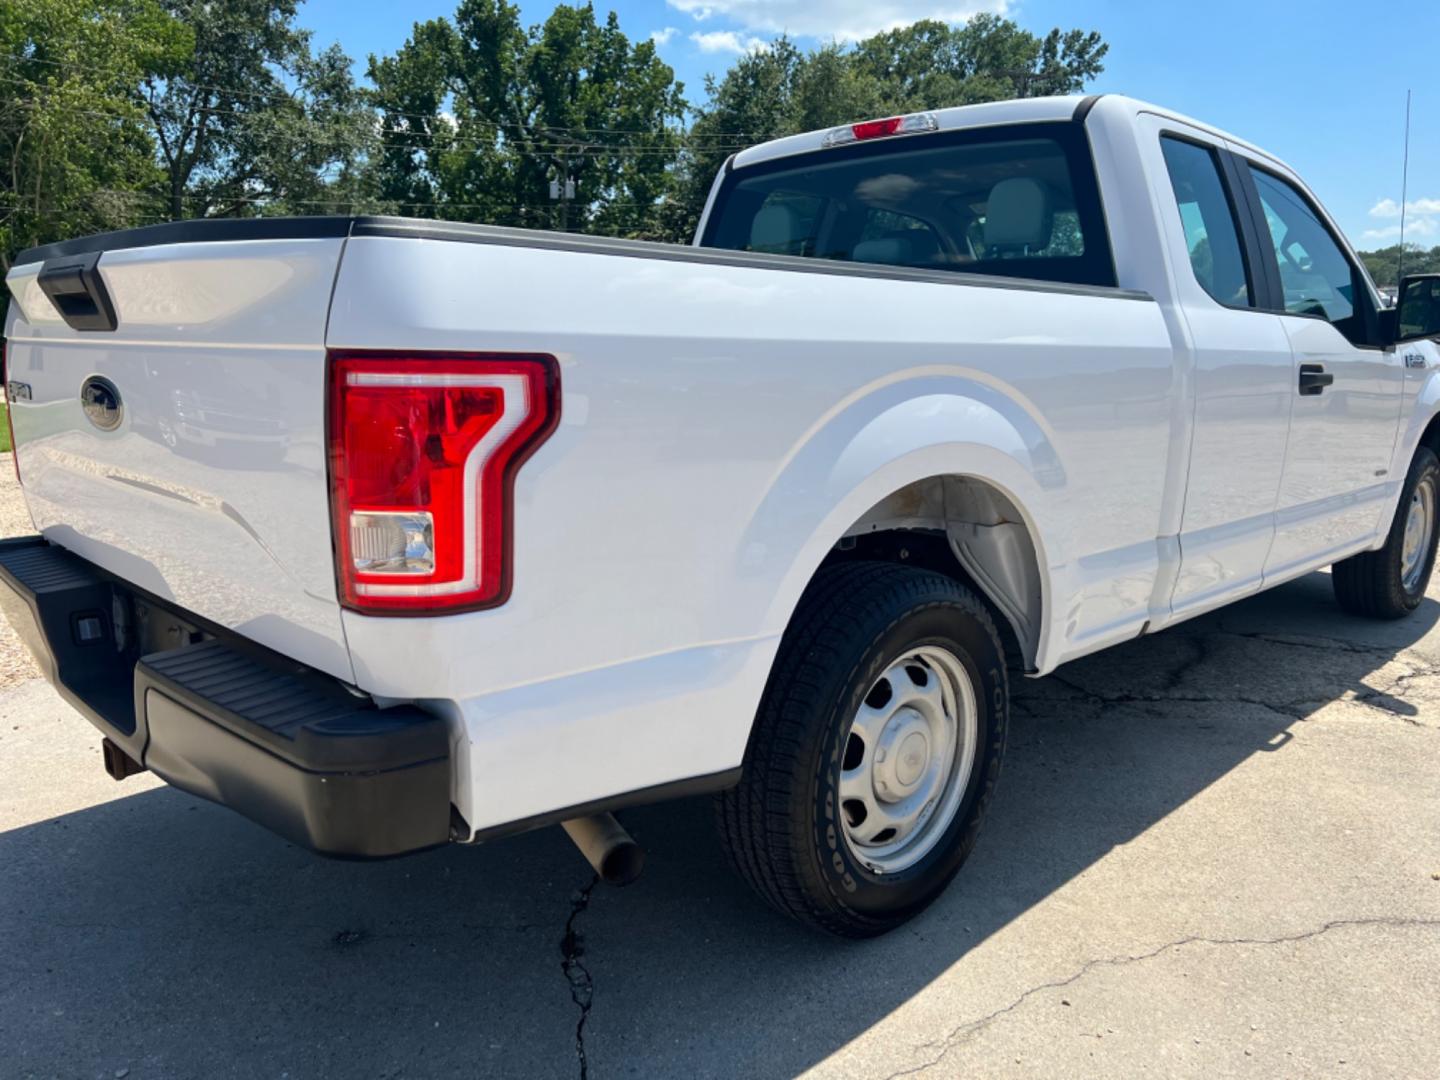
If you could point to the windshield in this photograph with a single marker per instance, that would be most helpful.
(1019, 201)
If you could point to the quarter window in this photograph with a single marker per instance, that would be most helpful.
(1212, 237)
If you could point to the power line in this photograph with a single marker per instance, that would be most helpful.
(532, 146)
(285, 95)
(595, 206)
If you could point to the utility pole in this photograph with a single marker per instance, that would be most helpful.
(562, 184)
(563, 191)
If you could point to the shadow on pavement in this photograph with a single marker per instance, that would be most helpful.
(165, 936)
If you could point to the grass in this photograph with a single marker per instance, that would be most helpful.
(4, 429)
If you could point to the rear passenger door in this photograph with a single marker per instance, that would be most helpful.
(1347, 388)
(1240, 368)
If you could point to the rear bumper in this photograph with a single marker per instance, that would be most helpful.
(221, 718)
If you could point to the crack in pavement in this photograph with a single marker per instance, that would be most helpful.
(958, 1035)
(582, 986)
(1321, 642)
(1384, 700)
(1291, 710)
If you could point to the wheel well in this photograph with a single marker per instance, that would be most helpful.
(1431, 435)
(969, 530)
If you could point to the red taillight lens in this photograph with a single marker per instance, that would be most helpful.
(877, 129)
(913, 124)
(423, 454)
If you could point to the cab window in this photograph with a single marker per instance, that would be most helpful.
(1212, 234)
(1317, 277)
(1018, 201)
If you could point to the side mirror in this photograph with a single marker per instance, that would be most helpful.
(1417, 311)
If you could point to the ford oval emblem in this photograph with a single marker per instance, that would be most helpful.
(101, 402)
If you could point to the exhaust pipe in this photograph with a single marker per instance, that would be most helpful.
(118, 763)
(612, 851)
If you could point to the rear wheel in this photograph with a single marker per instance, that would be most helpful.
(1391, 582)
(875, 750)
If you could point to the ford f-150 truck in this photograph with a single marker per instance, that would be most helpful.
(392, 533)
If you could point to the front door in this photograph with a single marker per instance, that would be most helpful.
(1346, 388)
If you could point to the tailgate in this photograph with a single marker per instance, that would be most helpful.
(184, 449)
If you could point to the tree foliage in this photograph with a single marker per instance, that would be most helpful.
(249, 116)
(75, 155)
(927, 65)
(479, 116)
(116, 113)
(1384, 264)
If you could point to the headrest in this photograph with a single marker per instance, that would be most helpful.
(1018, 214)
(889, 250)
(775, 230)
(901, 247)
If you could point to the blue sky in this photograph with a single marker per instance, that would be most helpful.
(1321, 84)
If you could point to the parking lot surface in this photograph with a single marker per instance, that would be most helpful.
(1214, 852)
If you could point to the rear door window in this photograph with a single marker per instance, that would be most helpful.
(1212, 231)
(1018, 201)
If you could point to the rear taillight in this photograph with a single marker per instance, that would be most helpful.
(423, 454)
(914, 124)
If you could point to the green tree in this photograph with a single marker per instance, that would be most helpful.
(1384, 264)
(75, 153)
(250, 120)
(928, 65)
(479, 116)
(753, 102)
(931, 65)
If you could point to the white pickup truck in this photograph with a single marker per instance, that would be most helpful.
(392, 533)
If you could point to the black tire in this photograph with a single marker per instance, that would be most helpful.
(779, 826)
(1372, 583)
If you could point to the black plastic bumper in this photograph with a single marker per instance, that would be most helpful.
(283, 744)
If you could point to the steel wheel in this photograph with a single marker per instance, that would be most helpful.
(877, 656)
(1419, 527)
(909, 752)
(1389, 582)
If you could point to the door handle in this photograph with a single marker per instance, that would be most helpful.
(1313, 379)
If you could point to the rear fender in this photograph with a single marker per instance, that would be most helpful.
(881, 442)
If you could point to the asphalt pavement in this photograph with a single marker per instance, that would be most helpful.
(1215, 852)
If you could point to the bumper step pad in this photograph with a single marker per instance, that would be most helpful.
(287, 746)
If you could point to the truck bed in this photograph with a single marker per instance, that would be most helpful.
(657, 533)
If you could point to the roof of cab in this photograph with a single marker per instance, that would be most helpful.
(988, 114)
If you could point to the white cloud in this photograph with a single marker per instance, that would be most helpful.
(1422, 221)
(728, 41)
(662, 37)
(1415, 229)
(842, 20)
(1389, 208)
